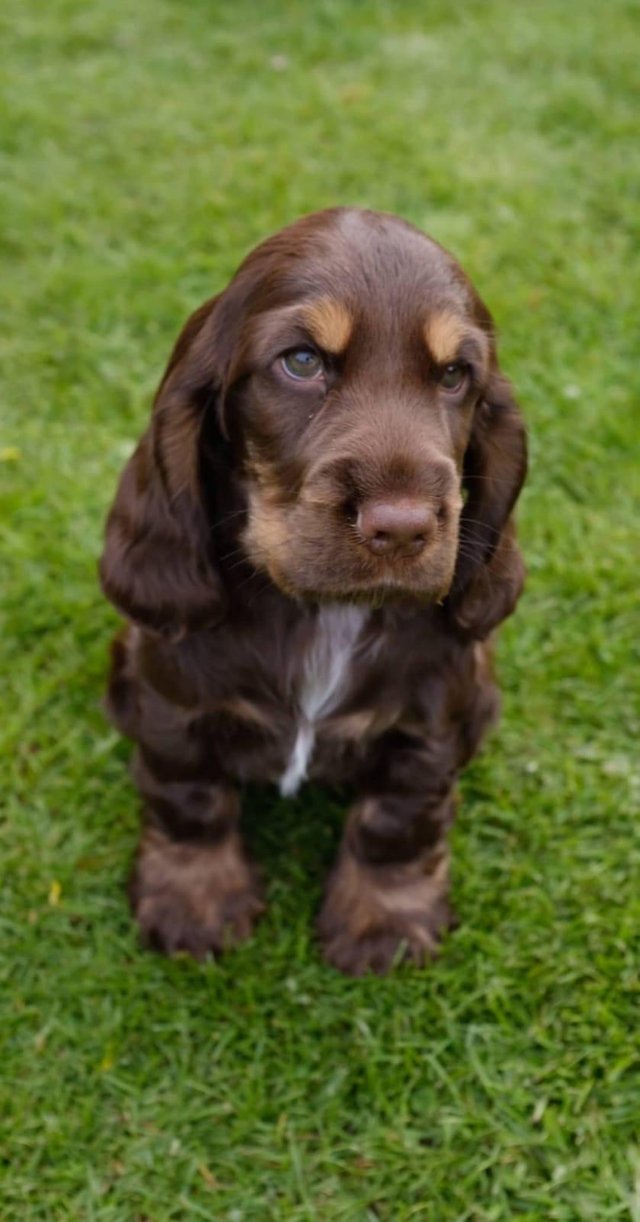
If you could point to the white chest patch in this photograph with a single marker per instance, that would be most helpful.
(323, 680)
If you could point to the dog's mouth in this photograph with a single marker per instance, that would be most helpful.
(312, 555)
(402, 582)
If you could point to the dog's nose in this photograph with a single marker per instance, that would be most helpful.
(399, 527)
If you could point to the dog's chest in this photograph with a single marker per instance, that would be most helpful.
(321, 682)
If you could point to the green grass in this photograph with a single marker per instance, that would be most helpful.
(148, 146)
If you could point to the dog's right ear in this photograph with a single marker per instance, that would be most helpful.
(490, 573)
(158, 565)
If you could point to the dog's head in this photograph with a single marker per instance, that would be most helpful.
(339, 414)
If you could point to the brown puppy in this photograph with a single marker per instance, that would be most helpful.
(312, 544)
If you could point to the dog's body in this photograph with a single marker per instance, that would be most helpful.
(310, 596)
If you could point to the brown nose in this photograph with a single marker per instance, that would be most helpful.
(400, 527)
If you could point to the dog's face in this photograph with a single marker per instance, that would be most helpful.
(350, 373)
(353, 386)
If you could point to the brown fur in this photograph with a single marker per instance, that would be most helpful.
(373, 914)
(238, 519)
(193, 898)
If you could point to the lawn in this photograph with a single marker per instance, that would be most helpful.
(148, 146)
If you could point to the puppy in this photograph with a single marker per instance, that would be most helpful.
(312, 545)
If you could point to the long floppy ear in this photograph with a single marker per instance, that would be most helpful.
(158, 566)
(490, 573)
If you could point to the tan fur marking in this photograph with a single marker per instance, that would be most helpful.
(371, 914)
(483, 659)
(266, 536)
(443, 333)
(329, 323)
(196, 871)
(245, 710)
(206, 895)
(371, 897)
(264, 475)
(362, 724)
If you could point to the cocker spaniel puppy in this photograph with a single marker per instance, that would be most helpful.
(312, 545)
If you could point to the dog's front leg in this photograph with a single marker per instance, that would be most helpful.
(193, 888)
(387, 898)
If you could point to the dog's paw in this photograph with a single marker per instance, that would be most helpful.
(374, 918)
(199, 900)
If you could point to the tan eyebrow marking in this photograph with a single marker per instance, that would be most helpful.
(329, 323)
(443, 333)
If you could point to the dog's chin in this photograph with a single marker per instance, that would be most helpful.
(375, 598)
(374, 594)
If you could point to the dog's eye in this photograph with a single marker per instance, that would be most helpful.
(303, 364)
(453, 376)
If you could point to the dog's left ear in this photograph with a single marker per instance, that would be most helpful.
(489, 572)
